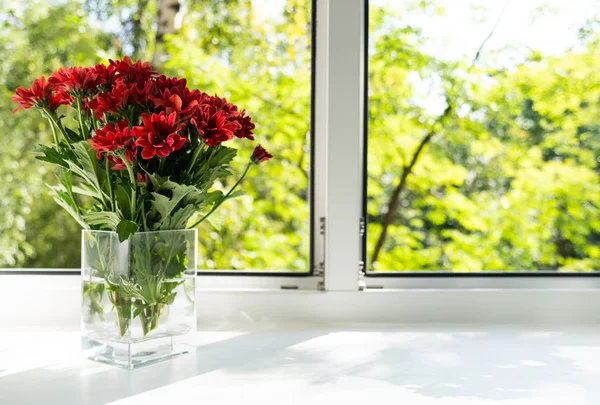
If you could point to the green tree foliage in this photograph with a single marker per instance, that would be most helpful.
(35, 40)
(507, 177)
(222, 48)
(264, 65)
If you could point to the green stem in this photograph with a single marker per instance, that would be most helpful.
(144, 218)
(54, 136)
(94, 123)
(144, 322)
(133, 186)
(63, 131)
(150, 317)
(217, 204)
(94, 293)
(123, 308)
(108, 180)
(161, 165)
(54, 123)
(194, 158)
(93, 126)
(82, 129)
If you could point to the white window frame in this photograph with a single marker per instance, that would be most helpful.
(338, 139)
(337, 290)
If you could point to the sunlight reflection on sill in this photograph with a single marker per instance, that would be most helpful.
(24, 350)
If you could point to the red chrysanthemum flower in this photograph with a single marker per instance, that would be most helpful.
(120, 96)
(260, 155)
(218, 103)
(138, 72)
(212, 125)
(242, 123)
(141, 177)
(41, 94)
(246, 126)
(75, 80)
(112, 138)
(167, 83)
(106, 73)
(140, 91)
(118, 162)
(159, 136)
(181, 101)
(110, 102)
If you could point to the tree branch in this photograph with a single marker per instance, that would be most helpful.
(167, 13)
(486, 39)
(392, 205)
(136, 28)
(406, 171)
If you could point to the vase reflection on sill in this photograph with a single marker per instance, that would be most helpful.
(138, 304)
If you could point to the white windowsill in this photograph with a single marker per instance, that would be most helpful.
(298, 364)
(525, 346)
(36, 300)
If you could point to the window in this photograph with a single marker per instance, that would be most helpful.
(255, 53)
(506, 108)
(483, 136)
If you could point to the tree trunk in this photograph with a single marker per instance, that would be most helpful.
(137, 30)
(392, 205)
(167, 18)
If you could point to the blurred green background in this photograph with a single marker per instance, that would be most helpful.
(504, 97)
(507, 178)
(255, 56)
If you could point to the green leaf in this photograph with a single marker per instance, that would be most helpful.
(179, 219)
(212, 197)
(164, 205)
(50, 155)
(126, 228)
(65, 200)
(85, 165)
(87, 158)
(157, 181)
(123, 197)
(85, 190)
(237, 193)
(104, 219)
(224, 156)
(211, 166)
(170, 298)
(72, 135)
(216, 220)
(66, 179)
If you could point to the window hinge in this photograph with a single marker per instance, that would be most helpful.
(362, 226)
(322, 226)
(361, 264)
(319, 269)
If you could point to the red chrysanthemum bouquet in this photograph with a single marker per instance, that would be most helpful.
(143, 157)
(141, 136)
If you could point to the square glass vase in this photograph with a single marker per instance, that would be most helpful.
(138, 296)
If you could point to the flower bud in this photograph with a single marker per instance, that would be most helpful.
(260, 155)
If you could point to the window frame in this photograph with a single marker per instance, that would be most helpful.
(482, 279)
(339, 131)
(312, 278)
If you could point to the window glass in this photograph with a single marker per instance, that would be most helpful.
(256, 53)
(484, 135)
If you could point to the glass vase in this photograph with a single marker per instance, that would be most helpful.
(138, 296)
